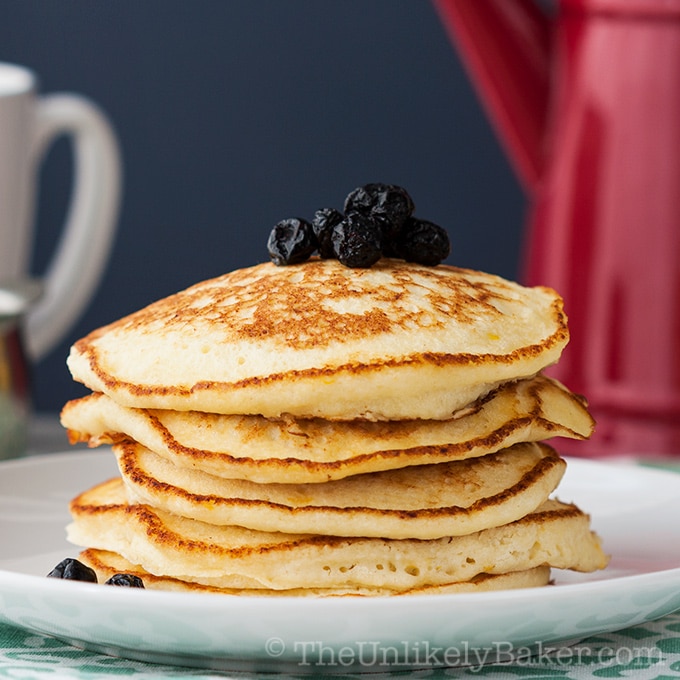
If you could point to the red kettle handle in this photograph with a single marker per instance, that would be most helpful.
(505, 46)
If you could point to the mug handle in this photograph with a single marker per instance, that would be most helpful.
(78, 263)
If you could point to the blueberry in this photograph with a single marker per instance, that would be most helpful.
(323, 223)
(125, 580)
(291, 241)
(422, 242)
(391, 205)
(357, 241)
(73, 570)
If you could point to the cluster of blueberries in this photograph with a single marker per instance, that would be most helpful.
(74, 570)
(377, 221)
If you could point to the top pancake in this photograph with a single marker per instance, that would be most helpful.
(391, 342)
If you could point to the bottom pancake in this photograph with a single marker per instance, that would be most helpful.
(106, 564)
(556, 535)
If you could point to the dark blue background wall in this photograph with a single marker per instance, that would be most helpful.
(233, 114)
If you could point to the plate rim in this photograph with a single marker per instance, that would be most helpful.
(65, 456)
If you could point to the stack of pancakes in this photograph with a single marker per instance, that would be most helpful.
(320, 430)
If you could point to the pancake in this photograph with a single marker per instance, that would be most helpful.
(106, 564)
(396, 341)
(556, 534)
(425, 501)
(295, 450)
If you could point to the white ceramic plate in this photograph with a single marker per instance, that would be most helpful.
(634, 509)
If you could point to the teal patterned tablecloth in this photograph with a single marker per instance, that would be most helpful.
(644, 652)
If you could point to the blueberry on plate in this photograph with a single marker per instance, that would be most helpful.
(73, 570)
(125, 580)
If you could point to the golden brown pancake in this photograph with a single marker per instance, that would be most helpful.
(295, 450)
(425, 501)
(396, 341)
(164, 544)
(106, 564)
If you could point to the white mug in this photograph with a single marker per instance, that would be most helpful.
(29, 123)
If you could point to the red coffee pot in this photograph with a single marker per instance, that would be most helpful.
(588, 106)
